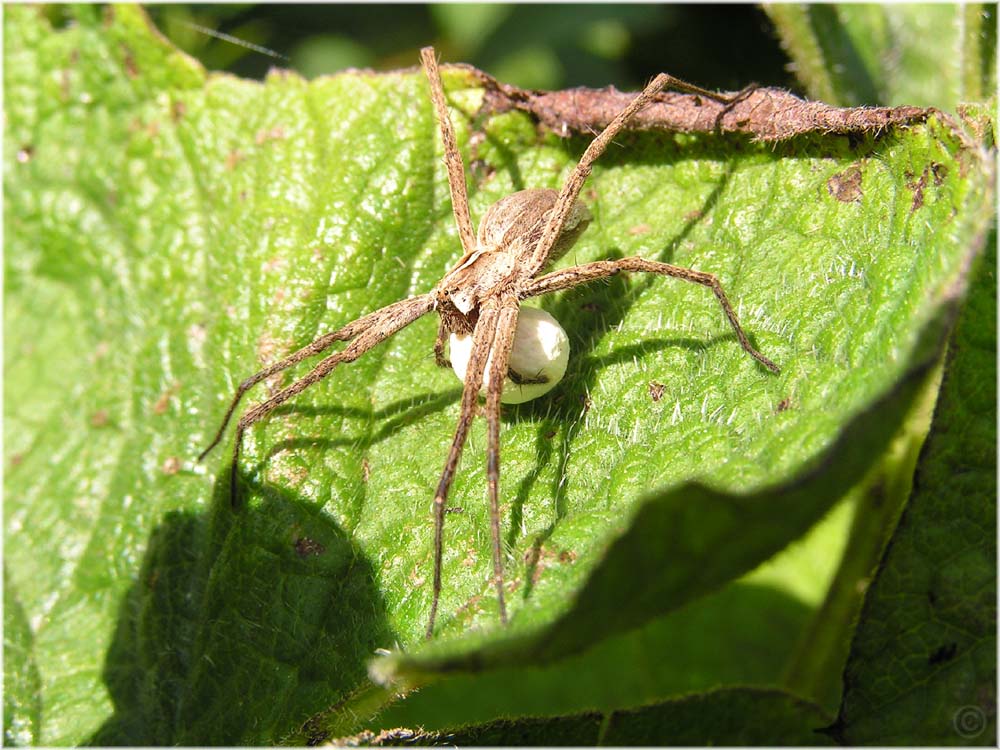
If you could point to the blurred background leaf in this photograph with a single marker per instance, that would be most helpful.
(530, 45)
(922, 54)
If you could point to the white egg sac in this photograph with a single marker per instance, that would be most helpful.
(540, 352)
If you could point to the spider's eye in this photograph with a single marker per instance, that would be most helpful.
(537, 360)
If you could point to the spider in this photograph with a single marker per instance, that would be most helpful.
(519, 237)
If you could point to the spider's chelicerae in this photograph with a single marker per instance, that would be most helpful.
(479, 298)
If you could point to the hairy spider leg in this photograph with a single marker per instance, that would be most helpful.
(366, 332)
(583, 274)
(503, 342)
(452, 157)
(482, 341)
(442, 334)
(318, 346)
(574, 183)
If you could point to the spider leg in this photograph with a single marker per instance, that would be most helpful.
(318, 346)
(382, 324)
(574, 183)
(452, 157)
(587, 272)
(689, 88)
(439, 358)
(482, 342)
(502, 343)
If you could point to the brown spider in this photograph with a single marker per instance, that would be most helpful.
(519, 237)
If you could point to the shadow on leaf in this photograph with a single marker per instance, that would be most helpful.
(240, 626)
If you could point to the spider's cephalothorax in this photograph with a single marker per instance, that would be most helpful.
(501, 260)
(479, 299)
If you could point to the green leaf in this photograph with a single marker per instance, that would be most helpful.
(168, 232)
(22, 706)
(740, 716)
(565, 731)
(680, 555)
(740, 635)
(734, 717)
(919, 54)
(922, 668)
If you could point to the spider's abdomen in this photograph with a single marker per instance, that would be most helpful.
(515, 223)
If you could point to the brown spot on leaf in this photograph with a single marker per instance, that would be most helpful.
(273, 264)
(267, 349)
(234, 158)
(171, 465)
(128, 60)
(16, 459)
(270, 350)
(536, 573)
(177, 110)
(416, 578)
(940, 172)
(469, 609)
(917, 185)
(366, 470)
(846, 186)
(783, 405)
(277, 133)
(160, 407)
(640, 229)
(306, 547)
(590, 307)
(693, 215)
(293, 475)
(163, 402)
(656, 390)
(530, 556)
(567, 556)
(540, 559)
(99, 418)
